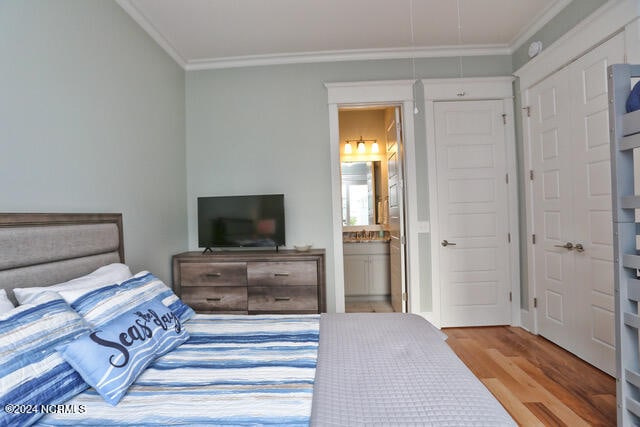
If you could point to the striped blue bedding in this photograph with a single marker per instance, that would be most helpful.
(234, 370)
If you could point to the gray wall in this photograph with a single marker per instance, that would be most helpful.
(266, 129)
(92, 120)
(565, 20)
(568, 18)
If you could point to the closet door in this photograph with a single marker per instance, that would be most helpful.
(553, 208)
(572, 206)
(592, 203)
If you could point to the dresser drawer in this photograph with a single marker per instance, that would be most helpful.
(296, 273)
(205, 299)
(293, 299)
(213, 274)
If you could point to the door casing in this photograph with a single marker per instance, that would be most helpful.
(388, 93)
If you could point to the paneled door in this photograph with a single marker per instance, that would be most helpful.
(396, 212)
(472, 213)
(592, 207)
(572, 206)
(553, 208)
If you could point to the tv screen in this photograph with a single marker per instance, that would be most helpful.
(241, 221)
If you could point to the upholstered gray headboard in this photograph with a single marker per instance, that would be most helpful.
(41, 249)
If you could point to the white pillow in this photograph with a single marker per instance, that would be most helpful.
(5, 303)
(104, 276)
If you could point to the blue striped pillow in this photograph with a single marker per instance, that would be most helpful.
(112, 356)
(31, 371)
(102, 305)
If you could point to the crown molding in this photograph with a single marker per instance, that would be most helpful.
(341, 55)
(540, 21)
(146, 25)
(602, 24)
(347, 55)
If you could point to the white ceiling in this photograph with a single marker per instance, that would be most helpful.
(201, 34)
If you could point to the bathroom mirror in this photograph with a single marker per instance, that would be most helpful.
(360, 193)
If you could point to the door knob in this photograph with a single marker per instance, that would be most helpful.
(446, 243)
(567, 245)
(579, 247)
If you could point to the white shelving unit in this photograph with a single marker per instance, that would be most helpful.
(625, 137)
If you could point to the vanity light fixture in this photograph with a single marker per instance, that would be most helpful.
(361, 145)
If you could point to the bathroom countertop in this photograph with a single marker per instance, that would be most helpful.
(377, 240)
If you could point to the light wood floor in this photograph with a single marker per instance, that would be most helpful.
(538, 382)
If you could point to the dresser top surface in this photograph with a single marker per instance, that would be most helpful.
(249, 255)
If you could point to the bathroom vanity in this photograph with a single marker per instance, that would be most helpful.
(366, 269)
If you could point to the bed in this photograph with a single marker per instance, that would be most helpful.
(625, 141)
(324, 370)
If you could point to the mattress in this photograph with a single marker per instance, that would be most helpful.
(395, 369)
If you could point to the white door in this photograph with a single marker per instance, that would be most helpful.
(572, 206)
(553, 208)
(396, 214)
(592, 203)
(472, 211)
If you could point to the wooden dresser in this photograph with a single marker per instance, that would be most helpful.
(255, 282)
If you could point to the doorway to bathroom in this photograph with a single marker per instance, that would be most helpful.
(371, 176)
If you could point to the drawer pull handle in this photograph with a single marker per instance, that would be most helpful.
(282, 298)
(216, 299)
(214, 274)
(281, 274)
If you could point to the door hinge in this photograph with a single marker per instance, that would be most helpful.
(508, 237)
(533, 239)
(535, 303)
(510, 297)
(506, 178)
(531, 174)
(402, 239)
(504, 119)
(528, 111)
(404, 296)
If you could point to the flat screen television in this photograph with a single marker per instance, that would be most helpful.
(241, 221)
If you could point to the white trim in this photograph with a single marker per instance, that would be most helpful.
(146, 25)
(466, 89)
(395, 92)
(540, 21)
(429, 112)
(347, 55)
(410, 200)
(370, 92)
(529, 315)
(336, 204)
(632, 42)
(593, 30)
(512, 202)
(527, 321)
(363, 54)
(436, 90)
